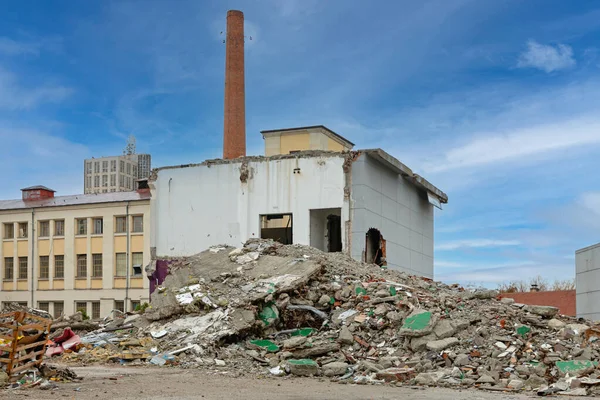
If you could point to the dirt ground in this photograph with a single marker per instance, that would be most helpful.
(173, 383)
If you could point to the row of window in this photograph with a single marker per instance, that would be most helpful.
(82, 267)
(59, 307)
(131, 168)
(81, 224)
(103, 181)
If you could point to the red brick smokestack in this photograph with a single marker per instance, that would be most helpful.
(234, 132)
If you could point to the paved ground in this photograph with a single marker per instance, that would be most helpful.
(171, 383)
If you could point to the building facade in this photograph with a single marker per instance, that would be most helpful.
(587, 282)
(66, 253)
(115, 174)
(364, 202)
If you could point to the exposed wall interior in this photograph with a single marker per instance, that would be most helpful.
(383, 199)
(278, 227)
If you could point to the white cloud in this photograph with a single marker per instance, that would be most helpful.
(54, 161)
(11, 47)
(16, 97)
(547, 58)
(520, 143)
(475, 243)
(591, 201)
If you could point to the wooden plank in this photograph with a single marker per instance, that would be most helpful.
(29, 346)
(24, 367)
(7, 337)
(38, 327)
(29, 355)
(4, 360)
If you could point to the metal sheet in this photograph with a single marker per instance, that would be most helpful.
(434, 200)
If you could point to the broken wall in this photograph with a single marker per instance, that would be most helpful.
(197, 206)
(384, 200)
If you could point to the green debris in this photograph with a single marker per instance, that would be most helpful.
(303, 361)
(269, 314)
(360, 291)
(371, 313)
(575, 365)
(417, 322)
(332, 301)
(392, 291)
(304, 332)
(523, 330)
(266, 344)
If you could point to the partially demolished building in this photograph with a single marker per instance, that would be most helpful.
(309, 188)
(365, 203)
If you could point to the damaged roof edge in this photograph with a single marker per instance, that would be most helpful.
(239, 160)
(394, 164)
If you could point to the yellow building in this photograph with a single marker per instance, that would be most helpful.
(318, 137)
(67, 253)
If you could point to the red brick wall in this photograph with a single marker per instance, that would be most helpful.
(37, 194)
(563, 299)
(234, 128)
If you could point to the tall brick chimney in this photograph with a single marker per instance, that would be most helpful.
(234, 132)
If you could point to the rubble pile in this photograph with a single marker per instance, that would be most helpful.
(278, 310)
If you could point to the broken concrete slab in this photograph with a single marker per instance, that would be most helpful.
(544, 311)
(316, 350)
(345, 336)
(420, 343)
(335, 369)
(444, 329)
(303, 367)
(534, 382)
(439, 345)
(576, 367)
(429, 378)
(555, 324)
(294, 342)
(486, 379)
(418, 323)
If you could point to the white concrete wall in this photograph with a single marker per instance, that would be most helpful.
(384, 200)
(199, 206)
(587, 266)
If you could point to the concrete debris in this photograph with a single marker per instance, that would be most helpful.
(268, 309)
(439, 345)
(335, 369)
(544, 311)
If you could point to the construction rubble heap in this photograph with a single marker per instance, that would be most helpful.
(279, 310)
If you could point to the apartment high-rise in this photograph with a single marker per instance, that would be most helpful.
(115, 174)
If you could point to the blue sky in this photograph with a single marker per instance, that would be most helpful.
(495, 102)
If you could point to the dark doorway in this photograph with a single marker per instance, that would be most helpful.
(326, 229)
(278, 227)
(375, 248)
(334, 233)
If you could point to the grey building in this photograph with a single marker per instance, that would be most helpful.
(388, 199)
(587, 281)
(115, 174)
